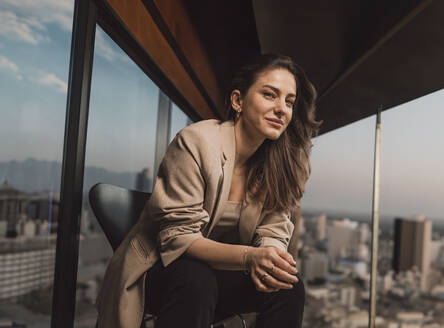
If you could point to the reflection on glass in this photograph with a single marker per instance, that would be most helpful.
(120, 151)
(32, 116)
(335, 229)
(412, 287)
(179, 120)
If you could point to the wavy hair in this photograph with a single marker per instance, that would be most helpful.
(278, 170)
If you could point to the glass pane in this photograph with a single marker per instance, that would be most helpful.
(120, 151)
(34, 64)
(411, 257)
(336, 232)
(179, 120)
(334, 239)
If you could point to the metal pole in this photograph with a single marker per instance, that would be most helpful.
(375, 222)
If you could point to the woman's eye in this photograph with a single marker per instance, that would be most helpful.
(268, 95)
(290, 103)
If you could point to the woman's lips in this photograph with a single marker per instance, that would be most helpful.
(274, 124)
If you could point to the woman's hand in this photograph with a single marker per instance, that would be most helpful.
(270, 268)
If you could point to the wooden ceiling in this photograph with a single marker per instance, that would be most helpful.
(361, 55)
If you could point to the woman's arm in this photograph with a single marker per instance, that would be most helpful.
(277, 264)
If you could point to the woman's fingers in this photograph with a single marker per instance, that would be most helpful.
(282, 275)
(272, 269)
(260, 286)
(270, 281)
(284, 265)
(286, 256)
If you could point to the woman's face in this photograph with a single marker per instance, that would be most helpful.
(268, 104)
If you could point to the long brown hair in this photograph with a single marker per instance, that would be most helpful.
(278, 170)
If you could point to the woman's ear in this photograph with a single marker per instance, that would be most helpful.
(236, 100)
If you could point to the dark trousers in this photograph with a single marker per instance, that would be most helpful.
(188, 293)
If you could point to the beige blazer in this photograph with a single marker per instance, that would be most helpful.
(188, 198)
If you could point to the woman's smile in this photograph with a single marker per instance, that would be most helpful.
(275, 123)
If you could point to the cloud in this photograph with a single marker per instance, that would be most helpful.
(27, 20)
(53, 81)
(15, 27)
(9, 65)
(45, 11)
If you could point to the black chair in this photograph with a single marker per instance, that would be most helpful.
(117, 211)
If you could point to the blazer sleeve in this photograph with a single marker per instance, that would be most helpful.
(275, 230)
(177, 200)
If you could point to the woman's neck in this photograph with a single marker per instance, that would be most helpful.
(246, 143)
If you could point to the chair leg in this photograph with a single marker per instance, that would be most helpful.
(148, 318)
(244, 324)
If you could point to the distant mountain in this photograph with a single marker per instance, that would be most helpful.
(38, 175)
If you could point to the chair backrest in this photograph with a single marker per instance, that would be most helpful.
(117, 210)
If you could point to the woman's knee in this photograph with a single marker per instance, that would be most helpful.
(295, 295)
(195, 279)
(298, 290)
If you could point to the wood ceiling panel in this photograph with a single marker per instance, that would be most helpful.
(140, 23)
(182, 36)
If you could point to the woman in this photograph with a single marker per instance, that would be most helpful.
(213, 237)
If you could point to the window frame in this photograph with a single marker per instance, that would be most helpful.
(87, 15)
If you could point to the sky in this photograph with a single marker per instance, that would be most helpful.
(412, 160)
(34, 62)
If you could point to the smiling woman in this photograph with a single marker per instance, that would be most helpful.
(280, 93)
(220, 206)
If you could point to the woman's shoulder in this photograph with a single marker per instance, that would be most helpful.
(201, 128)
(202, 139)
(205, 131)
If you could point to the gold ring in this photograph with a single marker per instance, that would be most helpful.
(264, 276)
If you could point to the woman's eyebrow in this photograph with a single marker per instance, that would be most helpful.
(278, 91)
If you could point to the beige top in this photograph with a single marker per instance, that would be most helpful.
(227, 229)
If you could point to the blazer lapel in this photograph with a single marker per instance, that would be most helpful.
(227, 161)
(251, 209)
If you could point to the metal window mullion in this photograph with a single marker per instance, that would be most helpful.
(163, 130)
(71, 191)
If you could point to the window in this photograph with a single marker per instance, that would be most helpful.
(335, 226)
(123, 133)
(179, 120)
(34, 63)
(335, 240)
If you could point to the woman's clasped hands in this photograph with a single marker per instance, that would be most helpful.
(270, 268)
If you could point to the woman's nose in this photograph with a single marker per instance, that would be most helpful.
(280, 106)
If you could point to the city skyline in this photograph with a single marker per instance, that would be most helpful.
(332, 241)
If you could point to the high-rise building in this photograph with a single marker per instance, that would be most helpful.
(412, 245)
(12, 204)
(315, 266)
(144, 180)
(348, 296)
(16, 206)
(317, 226)
(343, 238)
